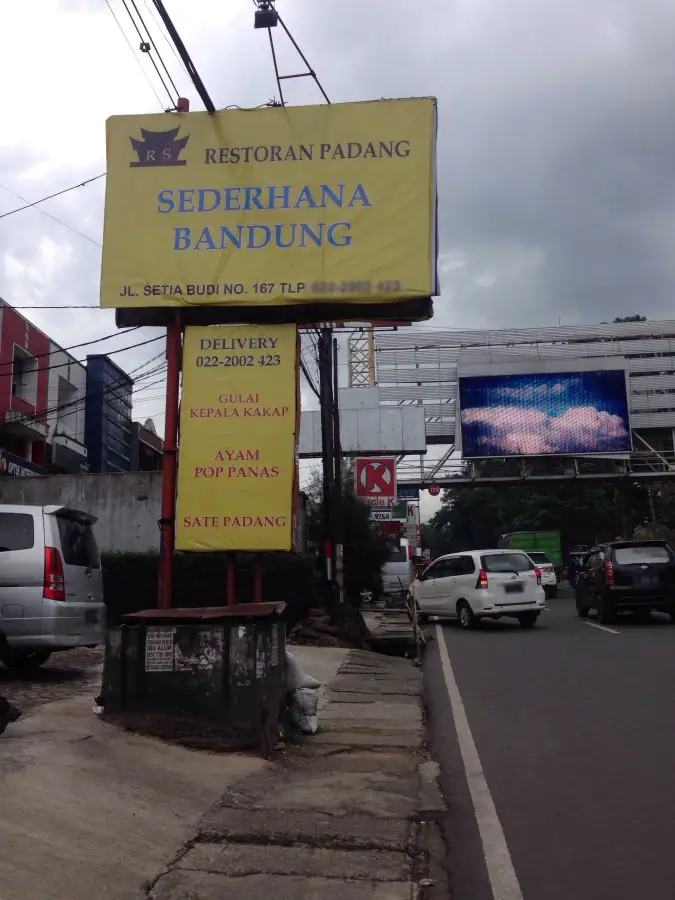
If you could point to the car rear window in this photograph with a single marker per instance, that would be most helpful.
(17, 532)
(540, 558)
(506, 562)
(632, 556)
(398, 556)
(78, 544)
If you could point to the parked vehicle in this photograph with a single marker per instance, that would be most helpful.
(481, 584)
(51, 587)
(549, 576)
(398, 572)
(627, 576)
(547, 542)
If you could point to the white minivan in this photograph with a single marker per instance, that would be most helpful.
(480, 584)
(51, 586)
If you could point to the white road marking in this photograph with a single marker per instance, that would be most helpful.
(503, 878)
(602, 627)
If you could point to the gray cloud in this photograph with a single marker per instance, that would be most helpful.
(556, 148)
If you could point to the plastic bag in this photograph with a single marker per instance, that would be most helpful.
(303, 697)
(304, 709)
(298, 679)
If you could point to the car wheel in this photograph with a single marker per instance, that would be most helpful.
(642, 615)
(22, 660)
(605, 611)
(552, 592)
(671, 613)
(467, 618)
(582, 610)
(528, 619)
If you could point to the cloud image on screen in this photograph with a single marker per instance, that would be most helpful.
(544, 415)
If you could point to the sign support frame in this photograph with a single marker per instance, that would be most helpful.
(167, 522)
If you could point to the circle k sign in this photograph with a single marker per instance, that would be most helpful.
(376, 477)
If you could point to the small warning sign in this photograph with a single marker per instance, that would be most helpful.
(159, 649)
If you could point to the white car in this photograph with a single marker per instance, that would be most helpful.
(479, 584)
(549, 578)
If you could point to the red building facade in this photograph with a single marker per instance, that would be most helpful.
(24, 387)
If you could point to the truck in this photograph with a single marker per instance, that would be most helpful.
(547, 542)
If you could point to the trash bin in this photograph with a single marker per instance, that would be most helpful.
(224, 667)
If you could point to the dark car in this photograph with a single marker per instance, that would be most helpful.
(627, 576)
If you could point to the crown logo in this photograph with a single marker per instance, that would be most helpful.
(158, 148)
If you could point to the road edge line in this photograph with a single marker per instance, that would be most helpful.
(601, 627)
(501, 872)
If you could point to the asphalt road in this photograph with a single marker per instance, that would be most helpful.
(573, 729)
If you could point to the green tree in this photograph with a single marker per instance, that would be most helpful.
(584, 511)
(634, 318)
(365, 546)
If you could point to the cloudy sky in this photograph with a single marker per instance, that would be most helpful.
(556, 142)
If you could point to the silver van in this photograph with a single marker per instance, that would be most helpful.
(51, 586)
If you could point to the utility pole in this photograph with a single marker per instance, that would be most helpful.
(325, 349)
(338, 524)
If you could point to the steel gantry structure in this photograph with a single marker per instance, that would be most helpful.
(420, 366)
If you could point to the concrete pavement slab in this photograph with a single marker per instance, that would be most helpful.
(376, 739)
(186, 885)
(316, 829)
(238, 860)
(356, 697)
(354, 684)
(366, 782)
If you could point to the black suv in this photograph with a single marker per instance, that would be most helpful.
(631, 576)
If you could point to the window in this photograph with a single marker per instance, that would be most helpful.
(398, 556)
(17, 532)
(639, 555)
(541, 559)
(432, 571)
(506, 562)
(78, 544)
(448, 568)
(24, 376)
(466, 565)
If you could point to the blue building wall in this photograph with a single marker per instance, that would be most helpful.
(108, 415)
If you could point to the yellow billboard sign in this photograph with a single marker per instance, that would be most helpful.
(271, 207)
(237, 470)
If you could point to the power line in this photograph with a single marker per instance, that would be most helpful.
(154, 47)
(53, 218)
(133, 53)
(162, 32)
(185, 56)
(146, 47)
(82, 362)
(73, 187)
(106, 337)
(73, 405)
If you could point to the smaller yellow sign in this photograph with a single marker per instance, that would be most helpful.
(238, 436)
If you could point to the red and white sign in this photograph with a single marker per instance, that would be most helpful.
(434, 489)
(376, 480)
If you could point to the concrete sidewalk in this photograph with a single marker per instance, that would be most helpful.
(349, 814)
(88, 810)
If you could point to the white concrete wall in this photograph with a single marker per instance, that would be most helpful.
(127, 504)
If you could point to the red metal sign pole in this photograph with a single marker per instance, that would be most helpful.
(167, 524)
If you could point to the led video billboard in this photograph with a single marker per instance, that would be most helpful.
(544, 414)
